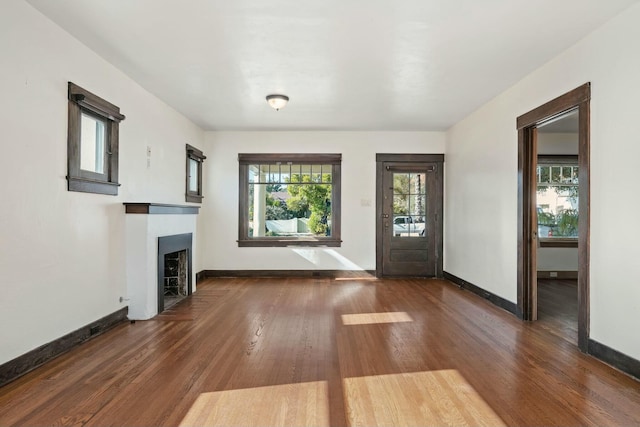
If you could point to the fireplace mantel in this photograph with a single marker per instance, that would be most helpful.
(160, 208)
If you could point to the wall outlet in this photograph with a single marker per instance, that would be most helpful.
(553, 274)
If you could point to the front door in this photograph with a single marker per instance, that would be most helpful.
(410, 215)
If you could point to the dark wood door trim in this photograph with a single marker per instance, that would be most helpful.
(409, 158)
(527, 227)
(579, 99)
(382, 158)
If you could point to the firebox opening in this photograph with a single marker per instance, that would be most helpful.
(174, 269)
(175, 278)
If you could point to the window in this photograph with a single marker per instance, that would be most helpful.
(557, 201)
(289, 200)
(409, 202)
(92, 143)
(194, 175)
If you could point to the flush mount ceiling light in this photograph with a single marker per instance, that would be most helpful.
(277, 101)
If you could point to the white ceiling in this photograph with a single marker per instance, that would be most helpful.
(345, 64)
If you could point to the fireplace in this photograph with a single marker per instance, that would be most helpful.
(153, 230)
(174, 269)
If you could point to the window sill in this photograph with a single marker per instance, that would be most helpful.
(558, 243)
(87, 185)
(282, 243)
(193, 198)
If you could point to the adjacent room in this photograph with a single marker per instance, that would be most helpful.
(335, 213)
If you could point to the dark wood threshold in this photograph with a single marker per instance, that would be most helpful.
(511, 307)
(160, 208)
(332, 274)
(21, 365)
(559, 274)
(620, 361)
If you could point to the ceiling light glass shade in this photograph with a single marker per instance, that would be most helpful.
(277, 101)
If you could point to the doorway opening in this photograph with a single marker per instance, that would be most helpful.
(553, 214)
(558, 212)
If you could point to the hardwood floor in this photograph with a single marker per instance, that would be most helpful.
(280, 352)
(558, 307)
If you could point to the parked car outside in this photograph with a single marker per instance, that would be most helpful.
(406, 225)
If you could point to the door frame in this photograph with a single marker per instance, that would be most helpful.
(382, 158)
(526, 125)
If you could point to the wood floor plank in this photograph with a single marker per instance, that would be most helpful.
(558, 307)
(279, 352)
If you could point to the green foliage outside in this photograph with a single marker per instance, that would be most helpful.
(565, 223)
(313, 199)
(401, 194)
(546, 218)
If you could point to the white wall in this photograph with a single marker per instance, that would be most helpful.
(557, 259)
(61, 252)
(558, 143)
(219, 217)
(481, 176)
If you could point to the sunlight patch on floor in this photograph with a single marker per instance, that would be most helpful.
(371, 318)
(442, 398)
(304, 404)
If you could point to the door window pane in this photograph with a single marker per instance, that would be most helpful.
(401, 183)
(418, 203)
(401, 205)
(409, 204)
(417, 183)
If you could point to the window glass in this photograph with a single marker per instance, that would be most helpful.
(409, 202)
(92, 138)
(193, 175)
(557, 201)
(289, 204)
(288, 201)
